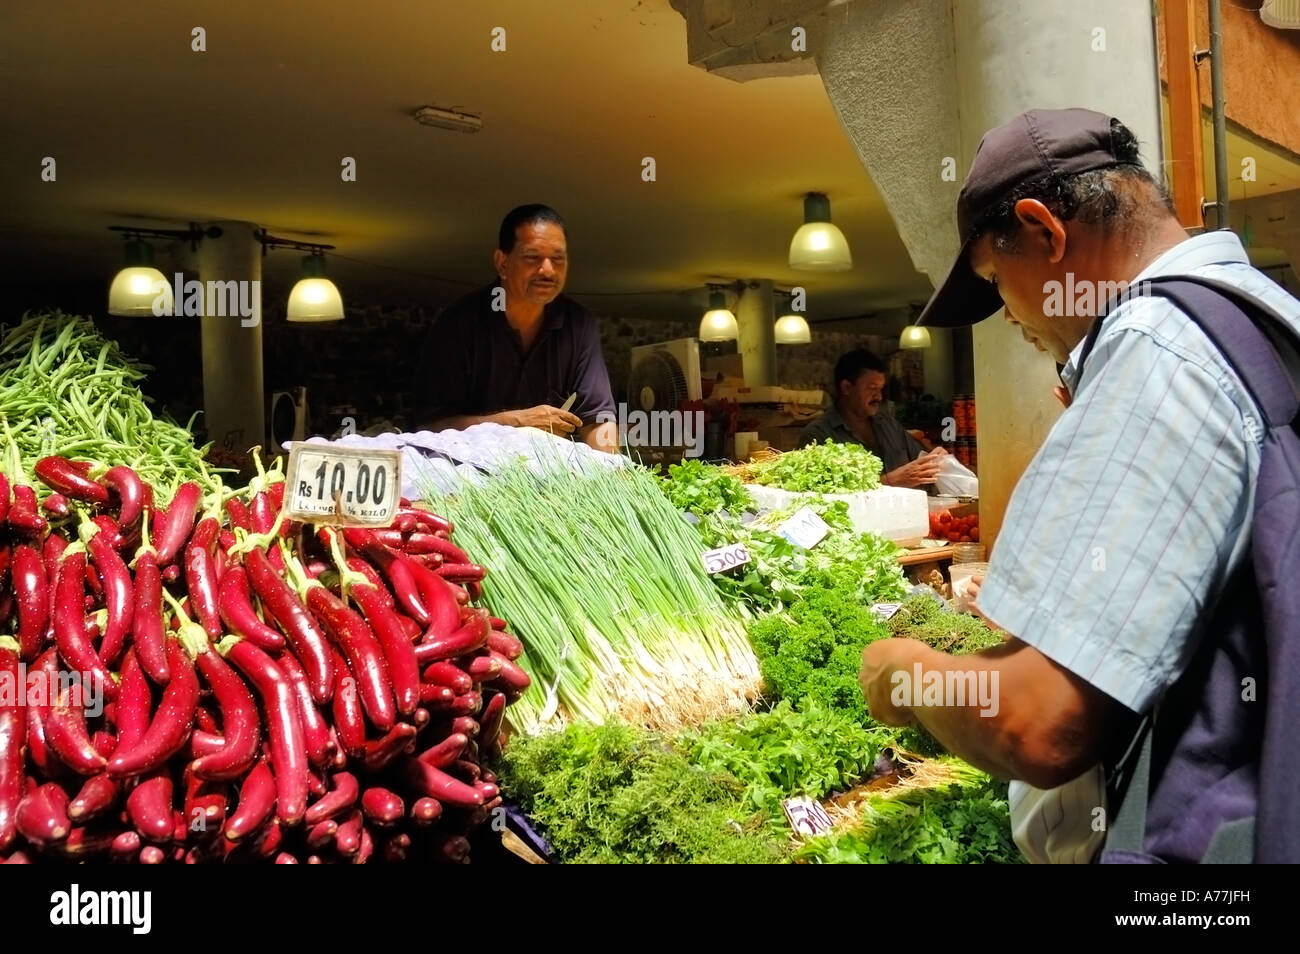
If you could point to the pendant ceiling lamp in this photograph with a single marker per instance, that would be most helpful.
(315, 297)
(718, 323)
(818, 245)
(792, 329)
(138, 286)
(914, 336)
(140, 290)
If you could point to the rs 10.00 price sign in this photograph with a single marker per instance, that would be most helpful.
(343, 486)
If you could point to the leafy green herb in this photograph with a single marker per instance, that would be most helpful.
(784, 752)
(703, 489)
(923, 617)
(780, 572)
(616, 794)
(827, 468)
(962, 823)
(813, 651)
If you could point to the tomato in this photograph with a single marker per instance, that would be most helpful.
(945, 517)
(975, 535)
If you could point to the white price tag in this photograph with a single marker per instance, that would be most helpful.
(343, 486)
(724, 558)
(885, 611)
(806, 816)
(805, 529)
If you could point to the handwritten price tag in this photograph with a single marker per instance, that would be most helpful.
(805, 529)
(343, 486)
(806, 816)
(724, 558)
(885, 611)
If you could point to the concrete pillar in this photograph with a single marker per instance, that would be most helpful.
(233, 398)
(756, 316)
(915, 84)
(1022, 54)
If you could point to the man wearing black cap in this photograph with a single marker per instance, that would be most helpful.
(1133, 520)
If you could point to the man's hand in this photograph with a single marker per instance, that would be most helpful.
(880, 661)
(544, 417)
(923, 470)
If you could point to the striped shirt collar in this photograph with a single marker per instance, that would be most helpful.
(1219, 247)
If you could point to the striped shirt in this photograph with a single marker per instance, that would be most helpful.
(1122, 531)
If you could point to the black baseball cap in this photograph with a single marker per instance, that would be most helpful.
(1038, 144)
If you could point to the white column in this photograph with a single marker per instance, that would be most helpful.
(233, 399)
(1013, 55)
(756, 315)
(915, 84)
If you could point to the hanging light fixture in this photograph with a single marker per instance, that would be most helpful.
(315, 297)
(140, 290)
(914, 336)
(138, 286)
(792, 329)
(718, 323)
(818, 245)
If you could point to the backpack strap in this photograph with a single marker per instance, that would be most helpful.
(1266, 358)
(1250, 338)
(1257, 345)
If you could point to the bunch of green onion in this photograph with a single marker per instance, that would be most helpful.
(64, 389)
(602, 580)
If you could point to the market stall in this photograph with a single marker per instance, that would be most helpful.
(613, 665)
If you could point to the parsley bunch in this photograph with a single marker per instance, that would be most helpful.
(826, 468)
(618, 794)
(784, 752)
(967, 822)
(811, 654)
(703, 489)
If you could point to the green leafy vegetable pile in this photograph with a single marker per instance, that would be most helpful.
(923, 617)
(812, 652)
(826, 468)
(616, 794)
(967, 822)
(780, 572)
(703, 489)
(784, 752)
(619, 794)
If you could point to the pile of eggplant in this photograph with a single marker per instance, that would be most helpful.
(210, 682)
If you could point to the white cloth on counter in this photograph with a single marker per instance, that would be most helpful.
(446, 459)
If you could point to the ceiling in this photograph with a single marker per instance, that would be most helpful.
(145, 131)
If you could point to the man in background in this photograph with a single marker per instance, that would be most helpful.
(516, 351)
(855, 418)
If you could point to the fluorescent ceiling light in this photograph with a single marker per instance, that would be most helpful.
(448, 119)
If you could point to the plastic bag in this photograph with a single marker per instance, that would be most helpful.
(955, 479)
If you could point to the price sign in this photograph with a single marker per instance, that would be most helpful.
(343, 486)
(806, 816)
(805, 529)
(885, 611)
(724, 558)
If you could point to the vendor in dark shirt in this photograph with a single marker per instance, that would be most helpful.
(514, 352)
(855, 419)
